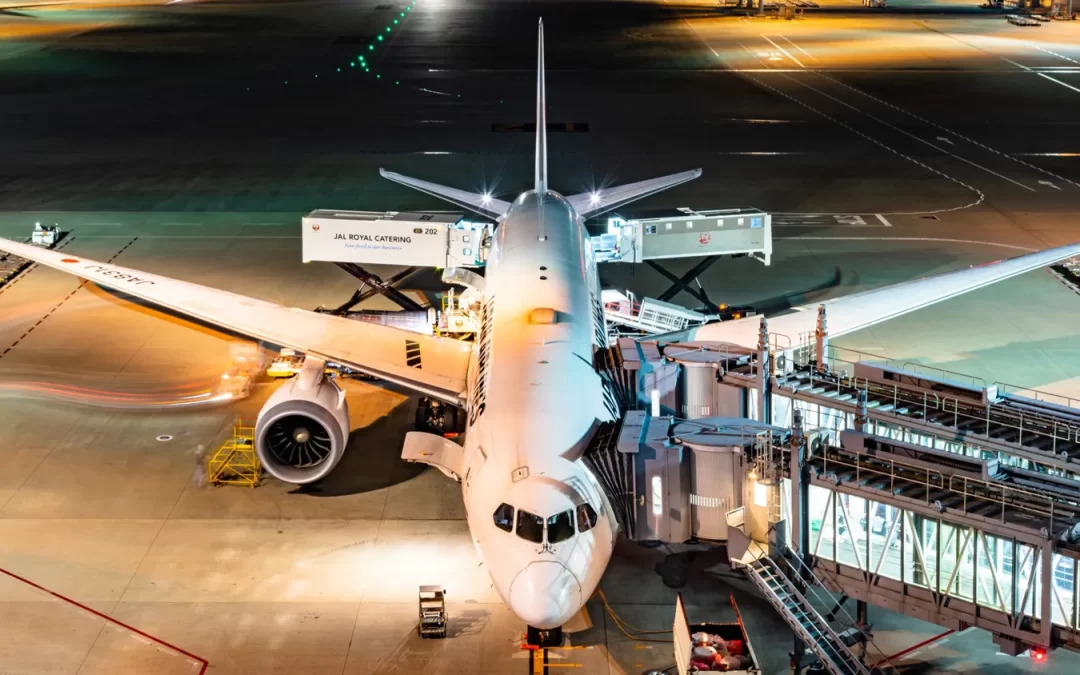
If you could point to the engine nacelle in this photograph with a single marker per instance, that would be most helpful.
(302, 430)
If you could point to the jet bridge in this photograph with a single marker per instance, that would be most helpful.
(932, 494)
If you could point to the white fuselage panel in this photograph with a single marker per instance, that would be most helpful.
(535, 401)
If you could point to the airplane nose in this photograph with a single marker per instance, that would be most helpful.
(545, 595)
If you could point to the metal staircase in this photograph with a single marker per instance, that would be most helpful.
(815, 632)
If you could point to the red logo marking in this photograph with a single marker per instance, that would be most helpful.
(704, 238)
(315, 226)
(69, 260)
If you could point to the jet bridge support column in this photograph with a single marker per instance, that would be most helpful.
(821, 340)
(764, 372)
(862, 413)
(799, 471)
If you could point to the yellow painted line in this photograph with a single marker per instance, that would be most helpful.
(550, 649)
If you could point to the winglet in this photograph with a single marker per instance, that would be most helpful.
(541, 118)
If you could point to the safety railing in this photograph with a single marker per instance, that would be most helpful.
(826, 644)
(898, 473)
(878, 659)
(1028, 426)
(1009, 497)
(1038, 395)
(746, 360)
(904, 403)
(972, 492)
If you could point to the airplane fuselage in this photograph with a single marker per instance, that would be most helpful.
(535, 400)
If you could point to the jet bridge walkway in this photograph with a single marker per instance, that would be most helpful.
(929, 539)
(954, 502)
(1043, 433)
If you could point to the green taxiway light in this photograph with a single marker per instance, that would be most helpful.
(403, 14)
(397, 81)
(378, 76)
(395, 22)
(380, 38)
(352, 64)
(339, 70)
(388, 29)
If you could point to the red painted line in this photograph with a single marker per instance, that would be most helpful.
(916, 646)
(199, 659)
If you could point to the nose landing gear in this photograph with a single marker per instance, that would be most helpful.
(544, 637)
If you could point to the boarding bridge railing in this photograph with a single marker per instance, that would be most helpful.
(1039, 434)
(951, 549)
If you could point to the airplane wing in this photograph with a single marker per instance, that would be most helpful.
(485, 205)
(589, 204)
(861, 310)
(428, 364)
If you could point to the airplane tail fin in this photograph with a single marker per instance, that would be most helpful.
(588, 204)
(541, 117)
(484, 204)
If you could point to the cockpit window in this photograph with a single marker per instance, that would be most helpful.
(560, 527)
(586, 517)
(504, 517)
(530, 527)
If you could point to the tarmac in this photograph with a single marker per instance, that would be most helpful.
(188, 139)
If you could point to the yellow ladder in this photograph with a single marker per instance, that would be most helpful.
(235, 462)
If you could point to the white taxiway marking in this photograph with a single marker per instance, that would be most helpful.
(808, 54)
(1056, 54)
(1049, 184)
(943, 139)
(1052, 79)
(1012, 157)
(883, 221)
(910, 135)
(784, 51)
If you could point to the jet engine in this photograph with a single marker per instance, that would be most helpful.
(302, 430)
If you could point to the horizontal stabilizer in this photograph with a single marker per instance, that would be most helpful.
(589, 204)
(485, 205)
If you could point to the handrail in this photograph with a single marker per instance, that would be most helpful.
(1029, 425)
(1011, 497)
(868, 639)
(860, 470)
(1038, 395)
(845, 655)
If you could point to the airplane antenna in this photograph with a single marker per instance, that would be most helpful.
(541, 119)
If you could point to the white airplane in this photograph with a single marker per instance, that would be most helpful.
(540, 521)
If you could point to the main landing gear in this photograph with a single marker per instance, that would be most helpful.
(439, 418)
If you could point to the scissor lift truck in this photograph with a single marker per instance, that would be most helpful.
(432, 612)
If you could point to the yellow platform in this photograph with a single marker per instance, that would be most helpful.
(235, 462)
